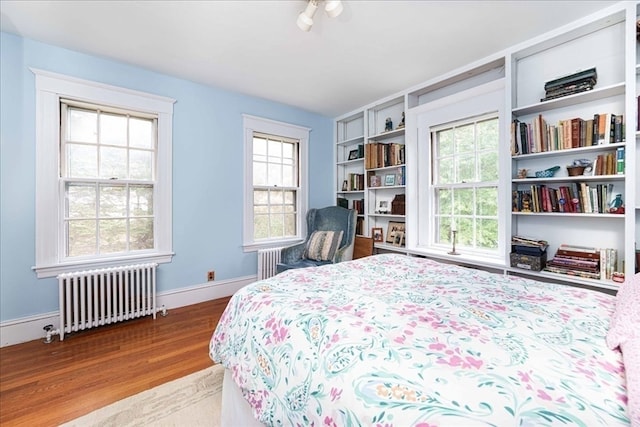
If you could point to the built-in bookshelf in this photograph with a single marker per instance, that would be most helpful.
(568, 158)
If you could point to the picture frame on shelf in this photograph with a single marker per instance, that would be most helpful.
(375, 181)
(345, 185)
(383, 206)
(398, 238)
(353, 154)
(389, 179)
(392, 229)
(377, 234)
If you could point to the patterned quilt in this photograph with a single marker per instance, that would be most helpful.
(392, 340)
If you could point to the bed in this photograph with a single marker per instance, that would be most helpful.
(393, 340)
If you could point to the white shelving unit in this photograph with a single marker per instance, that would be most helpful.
(606, 41)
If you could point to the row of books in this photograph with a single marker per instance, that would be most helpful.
(610, 163)
(575, 198)
(357, 205)
(355, 182)
(380, 155)
(539, 136)
(588, 262)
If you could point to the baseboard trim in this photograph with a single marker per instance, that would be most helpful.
(31, 328)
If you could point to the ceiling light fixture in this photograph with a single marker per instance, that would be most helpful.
(305, 19)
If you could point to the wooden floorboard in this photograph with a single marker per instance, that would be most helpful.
(49, 384)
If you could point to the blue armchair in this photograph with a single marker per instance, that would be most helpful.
(324, 244)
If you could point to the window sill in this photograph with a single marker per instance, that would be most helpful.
(254, 247)
(68, 267)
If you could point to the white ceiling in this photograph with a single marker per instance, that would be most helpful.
(374, 49)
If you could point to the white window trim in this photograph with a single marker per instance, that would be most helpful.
(253, 124)
(468, 103)
(50, 87)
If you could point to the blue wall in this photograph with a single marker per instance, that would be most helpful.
(207, 170)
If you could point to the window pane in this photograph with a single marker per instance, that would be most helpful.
(275, 174)
(81, 201)
(276, 197)
(444, 230)
(489, 166)
(445, 143)
(276, 228)
(113, 235)
(259, 149)
(465, 232)
(113, 162)
(113, 129)
(487, 201)
(113, 201)
(488, 233)
(141, 133)
(443, 202)
(260, 197)
(83, 126)
(140, 200)
(275, 151)
(466, 169)
(445, 171)
(260, 226)
(465, 141)
(288, 179)
(141, 234)
(290, 197)
(259, 173)
(82, 161)
(488, 135)
(289, 225)
(81, 239)
(141, 165)
(463, 201)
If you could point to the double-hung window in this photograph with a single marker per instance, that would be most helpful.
(103, 175)
(108, 170)
(465, 183)
(275, 182)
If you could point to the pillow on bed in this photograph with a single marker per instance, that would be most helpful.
(322, 245)
(624, 332)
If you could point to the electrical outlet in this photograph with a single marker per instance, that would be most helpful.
(211, 276)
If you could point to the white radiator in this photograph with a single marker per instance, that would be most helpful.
(267, 260)
(99, 297)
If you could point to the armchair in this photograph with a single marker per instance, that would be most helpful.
(322, 248)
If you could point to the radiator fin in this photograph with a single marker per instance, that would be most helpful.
(93, 298)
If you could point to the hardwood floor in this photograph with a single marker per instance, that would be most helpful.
(48, 384)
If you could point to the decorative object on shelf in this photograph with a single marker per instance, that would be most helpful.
(384, 207)
(547, 173)
(617, 277)
(398, 205)
(453, 243)
(580, 167)
(353, 154)
(377, 234)
(617, 205)
(392, 229)
(375, 181)
(575, 170)
(522, 173)
(390, 179)
(305, 19)
(388, 124)
(401, 125)
(345, 185)
(571, 84)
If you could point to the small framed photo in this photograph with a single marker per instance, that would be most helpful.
(398, 238)
(377, 234)
(383, 206)
(390, 179)
(345, 185)
(375, 181)
(353, 154)
(393, 229)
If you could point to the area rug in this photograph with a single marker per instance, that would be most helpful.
(193, 400)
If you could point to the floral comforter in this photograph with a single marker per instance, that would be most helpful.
(392, 340)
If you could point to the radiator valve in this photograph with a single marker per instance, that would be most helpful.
(50, 333)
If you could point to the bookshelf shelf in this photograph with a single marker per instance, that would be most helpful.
(571, 151)
(351, 141)
(572, 100)
(559, 179)
(571, 215)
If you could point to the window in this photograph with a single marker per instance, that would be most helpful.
(103, 167)
(458, 180)
(465, 183)
(275, 182)
(108, 180)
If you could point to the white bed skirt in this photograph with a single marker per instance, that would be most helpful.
(235, 411)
